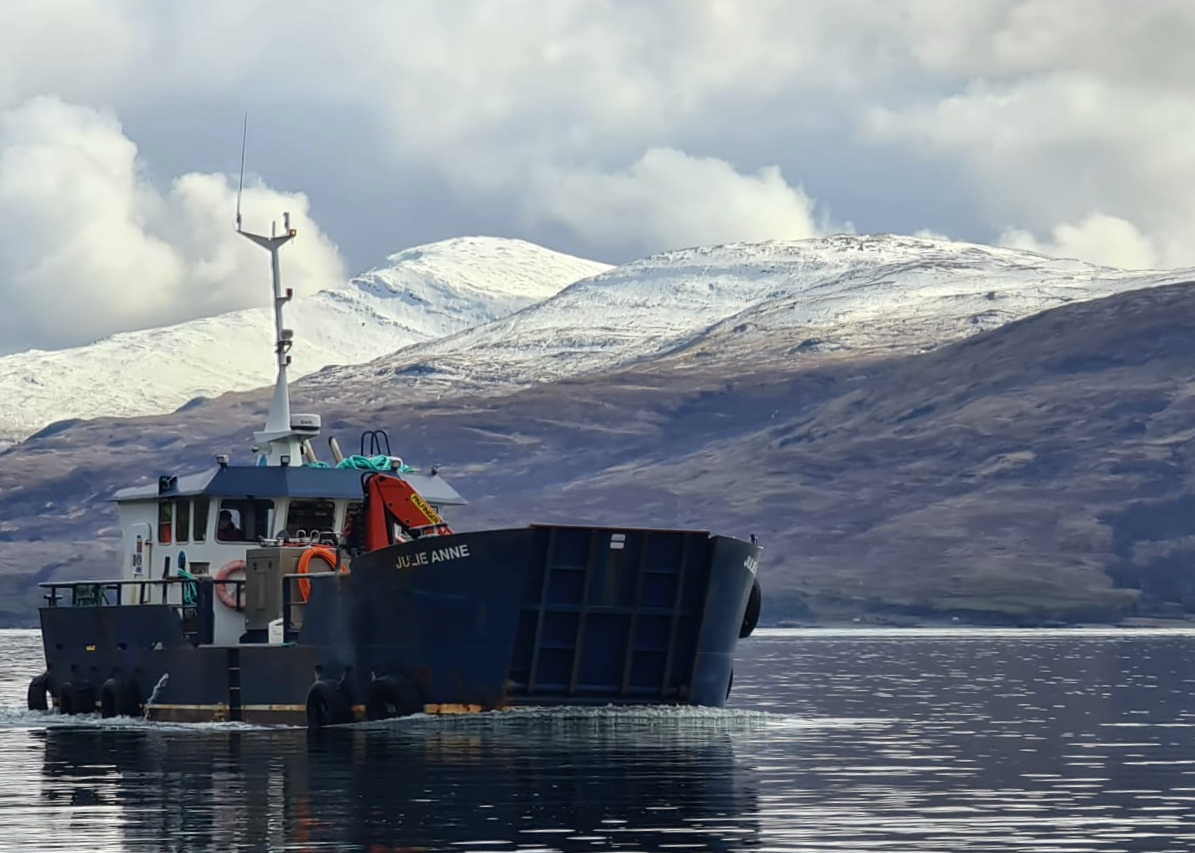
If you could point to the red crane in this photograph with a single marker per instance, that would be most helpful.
(392, 502)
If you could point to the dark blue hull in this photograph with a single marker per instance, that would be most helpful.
(544, 615)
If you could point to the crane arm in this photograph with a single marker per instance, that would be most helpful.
(392, 500)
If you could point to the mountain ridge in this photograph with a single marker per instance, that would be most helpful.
(846, 291)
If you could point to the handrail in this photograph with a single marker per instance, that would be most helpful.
(103, 586)
(195, 608)
(195, 579)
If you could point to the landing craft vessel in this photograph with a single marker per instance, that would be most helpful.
(220, 613)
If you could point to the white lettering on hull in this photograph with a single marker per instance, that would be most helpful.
(455, 552)
(438, 555)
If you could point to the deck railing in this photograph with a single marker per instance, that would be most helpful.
(194, 601)
(193, 598)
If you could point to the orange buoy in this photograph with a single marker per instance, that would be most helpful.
(227, 598)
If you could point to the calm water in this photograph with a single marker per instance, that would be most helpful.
(844, 741)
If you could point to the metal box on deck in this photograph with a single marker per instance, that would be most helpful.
(264, 568)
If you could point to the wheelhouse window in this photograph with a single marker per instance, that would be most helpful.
(199, 519)
(182, 519)
(310, 517)
(165, 521)
(175, 520)
(244, 519)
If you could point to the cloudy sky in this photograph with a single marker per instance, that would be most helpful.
(605, 128)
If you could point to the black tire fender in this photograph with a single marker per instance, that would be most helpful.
(110, 698)
(129, 702)
(37, 699)
(327, 705)
(751, 614)
(74, 699)
(120, 698)
(85, 699)
(393, 696)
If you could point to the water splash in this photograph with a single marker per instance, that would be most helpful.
(153, 694)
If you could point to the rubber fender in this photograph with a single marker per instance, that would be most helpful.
(76, 700)
(120, 698)
(129, 703)
(66, 698)
(327, 705)
(38, 688)
(85, 699)
(751, 615)
(110, 698)
(729, 684)
(392, 696)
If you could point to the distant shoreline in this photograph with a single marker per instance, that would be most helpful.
(865, 623)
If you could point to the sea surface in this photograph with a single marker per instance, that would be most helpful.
(884, 740)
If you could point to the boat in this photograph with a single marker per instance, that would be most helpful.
(292, 590)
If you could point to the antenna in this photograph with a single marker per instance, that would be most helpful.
(241, 183)
(279, 437)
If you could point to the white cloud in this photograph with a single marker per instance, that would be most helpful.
(1001, 40)
(621, 127)
(1096, 164)
(89, 246)
(77, 47)
(670, 199)
(1098, 239)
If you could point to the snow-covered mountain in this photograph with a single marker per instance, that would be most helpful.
(840, 292)
(421, 294)
(485, 311)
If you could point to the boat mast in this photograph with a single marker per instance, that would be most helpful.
(281, 442)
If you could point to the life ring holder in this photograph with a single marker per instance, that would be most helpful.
(323, 553)
(227, 598)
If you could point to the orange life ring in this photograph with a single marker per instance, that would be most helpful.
(229, 599)
(325, 554)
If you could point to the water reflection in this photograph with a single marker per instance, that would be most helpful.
(898, 741)
(578, 784)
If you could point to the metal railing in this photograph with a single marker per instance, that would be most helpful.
(110, 593)
(194, 602)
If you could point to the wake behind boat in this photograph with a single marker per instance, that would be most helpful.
(219, 612)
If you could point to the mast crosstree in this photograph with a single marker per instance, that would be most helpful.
(282, 440)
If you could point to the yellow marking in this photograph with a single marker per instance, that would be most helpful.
(425, 508)
(452, 708)
(220, 711)
(91, 648)
(293, 708)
